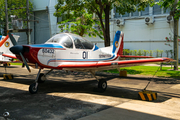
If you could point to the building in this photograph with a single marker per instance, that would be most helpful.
(144, 30)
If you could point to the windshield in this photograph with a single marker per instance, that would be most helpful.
(62, 39)
(81, 43)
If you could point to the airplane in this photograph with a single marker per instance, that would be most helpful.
(5, 44)
(70, 52)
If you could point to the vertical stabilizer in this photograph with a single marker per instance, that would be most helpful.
(5, 44)
(118, 43)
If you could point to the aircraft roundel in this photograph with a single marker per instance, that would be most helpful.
(6, 44)
(116, 44)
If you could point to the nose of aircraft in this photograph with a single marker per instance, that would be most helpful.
(17, 49)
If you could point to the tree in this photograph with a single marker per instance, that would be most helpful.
(77, 20)
(174, 6)
(15, 7)
(102, 10)
(81, 23)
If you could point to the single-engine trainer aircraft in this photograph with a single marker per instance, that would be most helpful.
(66, 51)
(5, 44)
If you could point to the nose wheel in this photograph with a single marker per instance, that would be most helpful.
(41, 77)
(33, 88)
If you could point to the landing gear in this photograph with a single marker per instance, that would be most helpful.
(41, 77)
(33, 88)
(102, 84)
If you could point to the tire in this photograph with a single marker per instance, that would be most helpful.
(5, 65)
(102, 85)
(41, 78)
(32, 88)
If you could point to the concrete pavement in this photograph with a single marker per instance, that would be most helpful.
(140, 110)
(143, 110)
(68, 97)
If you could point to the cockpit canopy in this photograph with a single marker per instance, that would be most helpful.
(69, 40)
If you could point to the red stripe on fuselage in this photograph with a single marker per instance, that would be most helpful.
(33, 53)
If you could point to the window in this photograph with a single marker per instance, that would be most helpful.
(78, 44)
(62, 18)
(81, 43)
(145, 12)
(125, 15)
(66, 42)
(167, 11)
(156, 9)
(62, 39)
(136, 13)
(117, 15)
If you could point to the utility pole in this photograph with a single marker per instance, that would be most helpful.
(28, 23)
(6, 13)
(176, 45)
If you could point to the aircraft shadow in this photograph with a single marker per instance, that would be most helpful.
(85, 83)
(22, 105)
(14, 66)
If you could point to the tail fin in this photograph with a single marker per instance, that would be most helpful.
(6, 43)
(118, 43)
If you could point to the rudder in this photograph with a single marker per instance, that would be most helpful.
(118, 43)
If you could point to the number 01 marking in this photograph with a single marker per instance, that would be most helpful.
(85, 55)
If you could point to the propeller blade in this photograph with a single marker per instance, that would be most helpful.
(12, 39)
(24, 61)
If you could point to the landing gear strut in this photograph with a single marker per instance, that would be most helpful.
(33, 88)
(102, 84)
(41, 77)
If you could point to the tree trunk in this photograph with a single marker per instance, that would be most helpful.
(4, 28)
(176, 22)
(107, 31)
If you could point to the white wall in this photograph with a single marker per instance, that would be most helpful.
(138, 35)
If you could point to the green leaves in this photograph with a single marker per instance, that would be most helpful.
(80, 14)
(123, 6)
(78, 17)
(169, 4)
(15, 7)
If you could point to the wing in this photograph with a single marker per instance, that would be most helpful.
(110, 65)
(10, 56)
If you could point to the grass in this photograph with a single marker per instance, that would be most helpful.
(16, 64)
(149, 71)
(143, 70)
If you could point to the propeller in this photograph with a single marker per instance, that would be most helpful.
(18, 49)
(12, 39)
(24, 61)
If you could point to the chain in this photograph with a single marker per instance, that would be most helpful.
(151, 78)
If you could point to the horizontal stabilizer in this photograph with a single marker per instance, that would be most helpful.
(132, 56)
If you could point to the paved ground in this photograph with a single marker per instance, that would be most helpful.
(69, 96)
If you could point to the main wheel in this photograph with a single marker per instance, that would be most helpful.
(102, 84)
(41, 78)
(33, 89)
